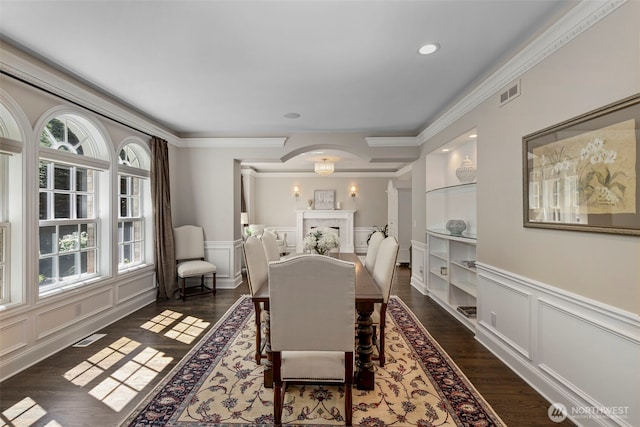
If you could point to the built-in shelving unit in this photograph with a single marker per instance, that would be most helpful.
(452, 278)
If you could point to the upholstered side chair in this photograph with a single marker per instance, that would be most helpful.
(383, 275)
(319, 350)
(256, 263)
(372, 250)
(270, 246)
(189, 247)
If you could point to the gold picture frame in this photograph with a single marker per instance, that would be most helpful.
(582, 174)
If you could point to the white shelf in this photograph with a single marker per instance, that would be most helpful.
(468, 287)
(447, 198)
(445, 234)
(451, 188)
(442, 255)
(460, 265)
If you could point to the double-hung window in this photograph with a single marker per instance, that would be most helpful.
(69, 226)
(133, 186)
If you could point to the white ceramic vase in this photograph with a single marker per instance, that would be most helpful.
(466, 173)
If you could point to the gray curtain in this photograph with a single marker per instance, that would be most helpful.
(163, 226)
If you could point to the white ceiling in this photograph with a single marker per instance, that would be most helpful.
(212, 68)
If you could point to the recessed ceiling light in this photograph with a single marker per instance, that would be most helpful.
(292, 115)
(473, 136)
(428, 48)
(444, 150)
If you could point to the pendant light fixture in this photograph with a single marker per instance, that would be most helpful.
(324, 168)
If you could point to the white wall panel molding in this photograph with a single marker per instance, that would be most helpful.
(361, 234)
(21, 357)
(419, 251)
(225, 255)
(55, 317)
(14, 335)
(575, 22)
(505, 311)
(605, 357)
(135, 284)
(581, 353)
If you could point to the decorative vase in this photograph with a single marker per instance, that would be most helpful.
(456, 227)
(466, 173)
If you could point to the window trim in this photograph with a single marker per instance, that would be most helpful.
(5, 272)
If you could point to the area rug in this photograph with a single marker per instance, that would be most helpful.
(219, 384)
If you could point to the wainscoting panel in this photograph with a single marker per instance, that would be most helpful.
(224, 255)
(58, 322)
(57, 317)
(564, 331)
(505, 310)
(360, 239)
(136, 284)
(573, 350)
(419, 266)
(13, 335)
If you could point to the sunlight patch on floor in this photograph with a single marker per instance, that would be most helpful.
(161, 321)
(127, 380)
(187, 330)
(24, 414)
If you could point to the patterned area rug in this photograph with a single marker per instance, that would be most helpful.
(218, 383)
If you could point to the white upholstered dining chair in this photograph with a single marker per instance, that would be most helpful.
(312, 303)
(256, 263)
(372, 250)
(189, 248)
(383, 275)
(270, 246)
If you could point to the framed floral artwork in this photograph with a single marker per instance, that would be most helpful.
(324, 199)
(582, 174)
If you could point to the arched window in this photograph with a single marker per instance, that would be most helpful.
(72, 163)
(134, 205)
(13, 125)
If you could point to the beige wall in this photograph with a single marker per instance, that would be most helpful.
(275, 204)
(597, 68)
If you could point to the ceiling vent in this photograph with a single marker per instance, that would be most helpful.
(511, 93)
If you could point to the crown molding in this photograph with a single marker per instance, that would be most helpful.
(15, 63)
(232, 142)
(338, 174)
(579, 19)
(392, 141)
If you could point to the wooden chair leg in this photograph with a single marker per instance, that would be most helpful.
(184, 294)
(214, 284)
(381, 349)
(277, 390)
(258, 311)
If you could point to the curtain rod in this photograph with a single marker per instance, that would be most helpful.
(50, 92)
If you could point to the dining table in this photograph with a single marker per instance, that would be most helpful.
(367, 294)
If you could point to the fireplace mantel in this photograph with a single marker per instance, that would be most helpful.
(305, 219)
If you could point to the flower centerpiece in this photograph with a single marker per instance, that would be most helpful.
(321, 241)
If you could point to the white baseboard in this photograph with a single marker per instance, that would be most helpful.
(572, 350)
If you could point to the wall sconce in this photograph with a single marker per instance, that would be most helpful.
(353, 192)
(296, 192)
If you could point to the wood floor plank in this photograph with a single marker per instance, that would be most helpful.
(50, 383)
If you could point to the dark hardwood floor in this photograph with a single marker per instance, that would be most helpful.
(61, 390)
